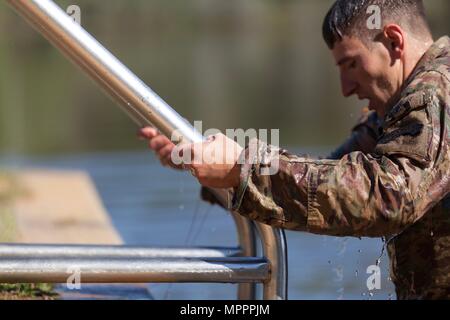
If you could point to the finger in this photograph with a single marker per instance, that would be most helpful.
(187, 153)
(147, 132)
(166, 151)
(197, 152)
(159, 142)
(168, 162)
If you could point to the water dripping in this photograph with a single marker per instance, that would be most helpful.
(339, 272)
(378, 261)
(341, 294)
(342, 246)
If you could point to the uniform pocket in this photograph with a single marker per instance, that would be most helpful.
(410, 137)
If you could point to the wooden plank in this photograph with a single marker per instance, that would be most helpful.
(61, 207)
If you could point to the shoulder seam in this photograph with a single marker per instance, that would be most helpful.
(437, 71)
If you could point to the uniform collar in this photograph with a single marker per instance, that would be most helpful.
(411, 97)
(439, 49)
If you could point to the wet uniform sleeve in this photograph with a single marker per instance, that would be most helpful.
(363, 138)
(376, 194)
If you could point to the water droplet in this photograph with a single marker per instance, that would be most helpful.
(371, 294)
(356, 273)
(329, 261)
(432, 233)
(359, 250)
(341, 293)
(342, 246)
(389, 279)
(339, 272)
(363, 294)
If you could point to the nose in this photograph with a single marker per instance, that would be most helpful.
(348, 86)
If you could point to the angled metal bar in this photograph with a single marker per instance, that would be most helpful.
(84, 50)
(137, 270)
(94, 251)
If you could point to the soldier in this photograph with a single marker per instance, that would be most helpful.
(391, 178)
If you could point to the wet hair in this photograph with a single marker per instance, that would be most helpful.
(349, 18)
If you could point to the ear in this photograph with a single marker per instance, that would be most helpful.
(394, 38)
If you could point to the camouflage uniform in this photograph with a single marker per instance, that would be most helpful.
(390, 179)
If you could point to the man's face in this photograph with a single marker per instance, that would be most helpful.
(367, 72)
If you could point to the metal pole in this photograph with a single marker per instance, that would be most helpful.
(247, 242)
(85, 251)
(84, 50)
(136, 98)
(140, 270)
(275, 250)
(139, 101)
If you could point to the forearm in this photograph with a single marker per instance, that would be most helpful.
(358, 195)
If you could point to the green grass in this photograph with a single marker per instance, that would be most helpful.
(27, 291)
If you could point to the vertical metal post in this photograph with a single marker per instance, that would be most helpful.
(275, 250)
(247, 243)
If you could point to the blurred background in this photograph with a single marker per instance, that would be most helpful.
(231, 64)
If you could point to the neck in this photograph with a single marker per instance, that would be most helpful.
(414, 55)
(411, 59)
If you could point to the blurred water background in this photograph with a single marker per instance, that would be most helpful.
(231, 64)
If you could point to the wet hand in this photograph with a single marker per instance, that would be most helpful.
(215, 162)
(161, 145)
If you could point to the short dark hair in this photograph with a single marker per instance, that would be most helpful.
(348, 18)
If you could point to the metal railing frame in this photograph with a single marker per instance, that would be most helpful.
(49, 263)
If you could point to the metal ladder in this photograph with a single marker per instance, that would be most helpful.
(125, 264)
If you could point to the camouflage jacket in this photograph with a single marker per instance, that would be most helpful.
(390, 179)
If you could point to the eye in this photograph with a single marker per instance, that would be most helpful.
(352, 64)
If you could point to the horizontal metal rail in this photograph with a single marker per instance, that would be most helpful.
(80, 251)
(138, 270)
